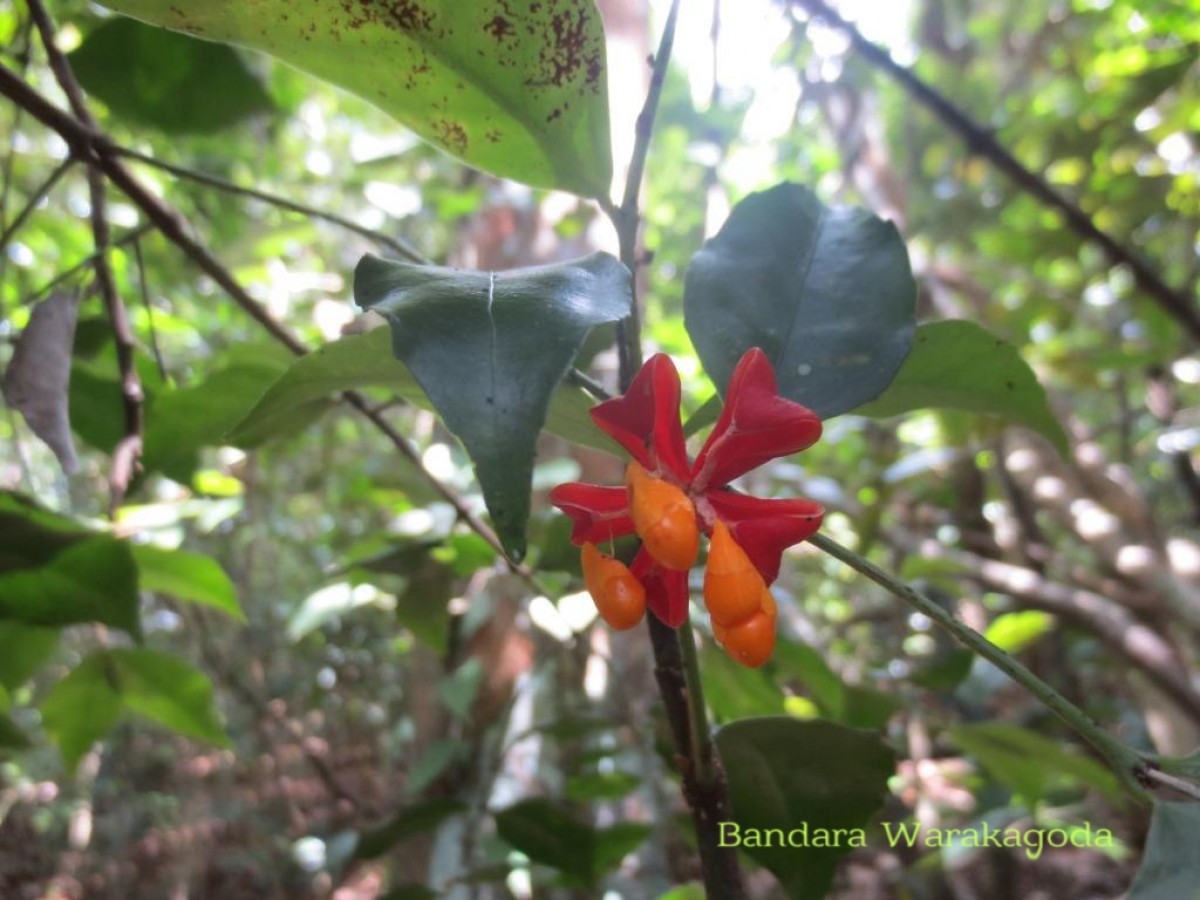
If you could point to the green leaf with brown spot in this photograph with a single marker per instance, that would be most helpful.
(517, 89)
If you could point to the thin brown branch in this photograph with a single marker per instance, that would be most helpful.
(387, 241)
(626, 218)
(980, 141)
(129, 449)
(130, 236)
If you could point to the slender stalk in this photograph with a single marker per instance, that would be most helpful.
(1129, 765)
(394, 244)
(37, 197)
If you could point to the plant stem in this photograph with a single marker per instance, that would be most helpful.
(1129, 765)
(675, 665)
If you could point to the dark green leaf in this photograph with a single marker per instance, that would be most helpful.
(959, 365)
(366, 360)
(165, 80)
(23, 648)
(515, 89)
(1033, 766)
(827, 293)
(788, 774)
(186, 576)
(547, 835)
(417, 819)
(488, 349)
(1170, 866)
(93, 580)
(97, 414)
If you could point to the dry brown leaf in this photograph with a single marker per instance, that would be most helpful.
(39, 374)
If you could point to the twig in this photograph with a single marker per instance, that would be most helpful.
(1158, 777)
(129, 449)
(625, 218)
(384, 240)
(978, 140)
(37, 197)
(144, 291)
(580, 379)
(88, 261)
(1129, 765)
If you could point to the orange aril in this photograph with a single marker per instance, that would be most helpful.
(752, 642)
(733, 588)
(619, 596)
(664, 519)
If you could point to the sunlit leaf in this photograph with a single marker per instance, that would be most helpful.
(516, 89)
(186, 576)
(959, 365)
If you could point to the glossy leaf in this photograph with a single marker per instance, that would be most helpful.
(827, 293)
(1170, 866)
(959, 365)
(84, 706)
(788, 774)
(186, 576)
(365, 361)
(489, 349)
(166, 80)
(514, 89)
